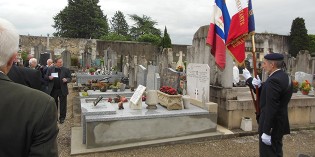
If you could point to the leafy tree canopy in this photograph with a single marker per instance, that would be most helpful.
(143, 25)
(312, 44)
(81, 19)
(115, 37)
(155, 39)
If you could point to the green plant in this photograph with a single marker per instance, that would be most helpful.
(24, 55)
(91, 70)
(74, 61)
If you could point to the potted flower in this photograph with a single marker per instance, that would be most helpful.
(295, 86)
(305, 87)
(168, 97)
(114, 88)
(92, 70)
(180, 68)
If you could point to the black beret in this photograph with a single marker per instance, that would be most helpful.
(274, 56)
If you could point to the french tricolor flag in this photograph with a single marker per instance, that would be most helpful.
(231, 21)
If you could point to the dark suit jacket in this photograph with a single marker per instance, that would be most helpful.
(65, 73)
(25, 76)
(28, 119)
(275, 94)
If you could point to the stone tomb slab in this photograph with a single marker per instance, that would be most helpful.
(88, 108)
(131, 126)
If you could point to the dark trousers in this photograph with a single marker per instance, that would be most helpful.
(57, 93)
(275, 150)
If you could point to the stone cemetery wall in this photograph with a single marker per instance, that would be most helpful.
(90, 49)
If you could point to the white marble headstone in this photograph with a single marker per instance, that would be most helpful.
(198, 81)
(302, 76)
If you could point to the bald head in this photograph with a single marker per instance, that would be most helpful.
(49, 62)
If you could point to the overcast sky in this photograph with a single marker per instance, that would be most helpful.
(181, 17)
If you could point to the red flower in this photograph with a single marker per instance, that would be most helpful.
(168, 90)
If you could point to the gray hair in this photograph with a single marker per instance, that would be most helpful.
(32, 60)
(9, 41)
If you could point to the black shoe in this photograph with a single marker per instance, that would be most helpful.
(61, 121)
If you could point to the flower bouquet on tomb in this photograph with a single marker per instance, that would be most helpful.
(305, 87)
(168, 97)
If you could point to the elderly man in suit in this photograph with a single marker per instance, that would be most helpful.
(59, 77)
(28, 117)
(275, 95)
(25, 76)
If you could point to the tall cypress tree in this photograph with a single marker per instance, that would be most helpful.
(81, 19)
(166, 40)
(119, 24)
(298, 39)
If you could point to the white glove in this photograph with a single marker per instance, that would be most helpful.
(246, 74)
(256, 82)
(266, 139)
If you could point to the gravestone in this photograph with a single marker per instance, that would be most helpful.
(150, 81)
(170, 78)
(136, 99)
(133, 71)
(39, 49)
(126, 66)
(143, 61)
(302, 76)
(113, 59)
(141, 75)
(66, 58)
(303, 61)
(180, 60)
(157, 81)
(43, 58)
(198, 81)
(106, 58)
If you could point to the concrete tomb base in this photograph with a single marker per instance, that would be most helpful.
(131, 126)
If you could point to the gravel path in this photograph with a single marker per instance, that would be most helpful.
(295, 144)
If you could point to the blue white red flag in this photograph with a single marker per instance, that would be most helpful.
(229, 25)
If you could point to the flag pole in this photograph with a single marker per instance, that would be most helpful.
(256, 102)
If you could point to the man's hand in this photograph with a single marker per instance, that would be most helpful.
(266, 139)
(256, 82)
(51, 77)
(246, 74)
(64, 80)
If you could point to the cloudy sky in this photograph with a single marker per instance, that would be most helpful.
(181, 17)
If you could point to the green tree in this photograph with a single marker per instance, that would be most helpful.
(155, 39)
(81, 19)
(119, 24)
(312, 44)
(298, 39)
(166, 40)
(115, 37)
(143, 25)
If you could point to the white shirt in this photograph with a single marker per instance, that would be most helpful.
(236, 75)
